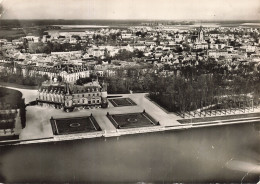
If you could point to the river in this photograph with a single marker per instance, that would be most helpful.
(209, 154)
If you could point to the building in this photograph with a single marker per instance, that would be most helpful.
(12, 114)
(66, 72)
(200, 35)
(70, 96)
(10, 124)
(34, 39)
(217, 53)
(202, 45)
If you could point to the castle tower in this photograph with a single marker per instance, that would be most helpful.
(104, 102)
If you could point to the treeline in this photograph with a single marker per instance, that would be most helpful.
(192, 87)
(126, 55)
(49, 47)
(34, 80)
(64, 47)
(196, 88)
(179, 94)
(82, 81)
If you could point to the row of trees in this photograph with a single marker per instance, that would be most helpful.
(16, 78)
(50, 47)
(206, 85)
(126, 55)
(199, 87)
(179, 94)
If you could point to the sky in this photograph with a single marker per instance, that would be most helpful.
(132, 9)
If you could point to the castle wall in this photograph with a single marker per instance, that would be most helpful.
(74, 96)
(10, 122)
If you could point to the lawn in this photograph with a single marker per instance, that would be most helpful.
(74, 125)
(132, 120)
(119, 102)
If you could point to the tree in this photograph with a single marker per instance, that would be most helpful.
(25, 44)
(124, 54)
(85, 80)
(78, 46)
(106, 54)
(59, 78)
(138, 53)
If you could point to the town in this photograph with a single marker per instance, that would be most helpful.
(192, 70)
(223, 59)
(147, 91)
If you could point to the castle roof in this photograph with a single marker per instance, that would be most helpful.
(89, 87)
(63, 88)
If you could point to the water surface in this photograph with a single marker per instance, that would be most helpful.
(198, 155)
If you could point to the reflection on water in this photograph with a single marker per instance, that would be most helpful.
(198, 155)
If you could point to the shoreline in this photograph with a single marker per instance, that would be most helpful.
(18, 86)
(38, 128)
(118, 133)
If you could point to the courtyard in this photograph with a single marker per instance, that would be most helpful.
(74, 125)
(119, 102)
(132, 120)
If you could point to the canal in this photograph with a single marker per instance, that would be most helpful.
(214, 154)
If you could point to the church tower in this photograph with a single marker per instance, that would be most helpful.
(200, 35)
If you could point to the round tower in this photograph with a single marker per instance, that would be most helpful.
(104, 102)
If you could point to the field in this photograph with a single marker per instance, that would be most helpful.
(119, 102)
(74, 125)
(133, 120)
(11, 34)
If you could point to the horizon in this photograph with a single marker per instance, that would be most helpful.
(177, 20)
(168, 10)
